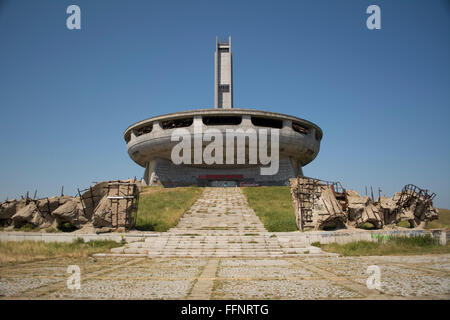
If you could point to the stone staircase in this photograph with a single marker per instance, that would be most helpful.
(219, 224)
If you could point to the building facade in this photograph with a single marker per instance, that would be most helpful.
(150, 142)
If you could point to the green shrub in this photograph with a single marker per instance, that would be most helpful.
(67, 227)
(27, 227)
(404, 224)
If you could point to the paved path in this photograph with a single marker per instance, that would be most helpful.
(219, 224)
(203, 288)
(231, 256)
(300, 277)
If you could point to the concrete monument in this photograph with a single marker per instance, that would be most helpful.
(150, 142)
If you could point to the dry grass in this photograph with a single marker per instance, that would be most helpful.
(443, 220)
(392, 246)
(161, 208)
(26, 251)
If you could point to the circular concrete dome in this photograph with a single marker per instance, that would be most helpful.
(150, 139)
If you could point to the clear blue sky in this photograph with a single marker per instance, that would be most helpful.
(381, 97)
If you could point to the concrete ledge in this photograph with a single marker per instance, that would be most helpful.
(340, 236)
(120, 255)
(69, 237)
(346, 235)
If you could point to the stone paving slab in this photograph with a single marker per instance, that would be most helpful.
(402, 277)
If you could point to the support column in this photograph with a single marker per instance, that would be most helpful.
(149, 173)
(287, 124)
(297, 166)
(145, 178)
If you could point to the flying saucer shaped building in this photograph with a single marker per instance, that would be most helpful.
(150, 142)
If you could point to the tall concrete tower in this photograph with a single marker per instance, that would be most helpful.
(223, 75)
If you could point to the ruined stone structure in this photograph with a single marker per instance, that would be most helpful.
(149, 141)
(321, 205)
(106, 206)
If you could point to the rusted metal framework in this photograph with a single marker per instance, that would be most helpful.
(89, 200)
(339, 193)
(307, 193)
(412, 194)
(124, 198)
(321, 204)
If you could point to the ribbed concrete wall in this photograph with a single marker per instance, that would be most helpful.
(170, 174)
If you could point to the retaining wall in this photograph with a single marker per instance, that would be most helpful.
(69, 237)
(341, 236)
(346, 236)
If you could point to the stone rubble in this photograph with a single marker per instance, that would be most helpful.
(105, 206)
(319, 204)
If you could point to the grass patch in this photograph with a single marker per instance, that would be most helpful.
(392, 246)
(27, 227)
(404, 224)
(274, 207)
(443, 220)
(366, 226)
(25, 251)
(161, 208)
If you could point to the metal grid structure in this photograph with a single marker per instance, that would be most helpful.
(411, 193)
(308, 190)
(307, 193)
(339, 193)
(124, 198)
(88, 200)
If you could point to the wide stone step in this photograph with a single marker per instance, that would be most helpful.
(224, 241)
(219, 224)
(216, 231)
(152, 252)
(212, 244)
(204, 240)
(216, 248)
